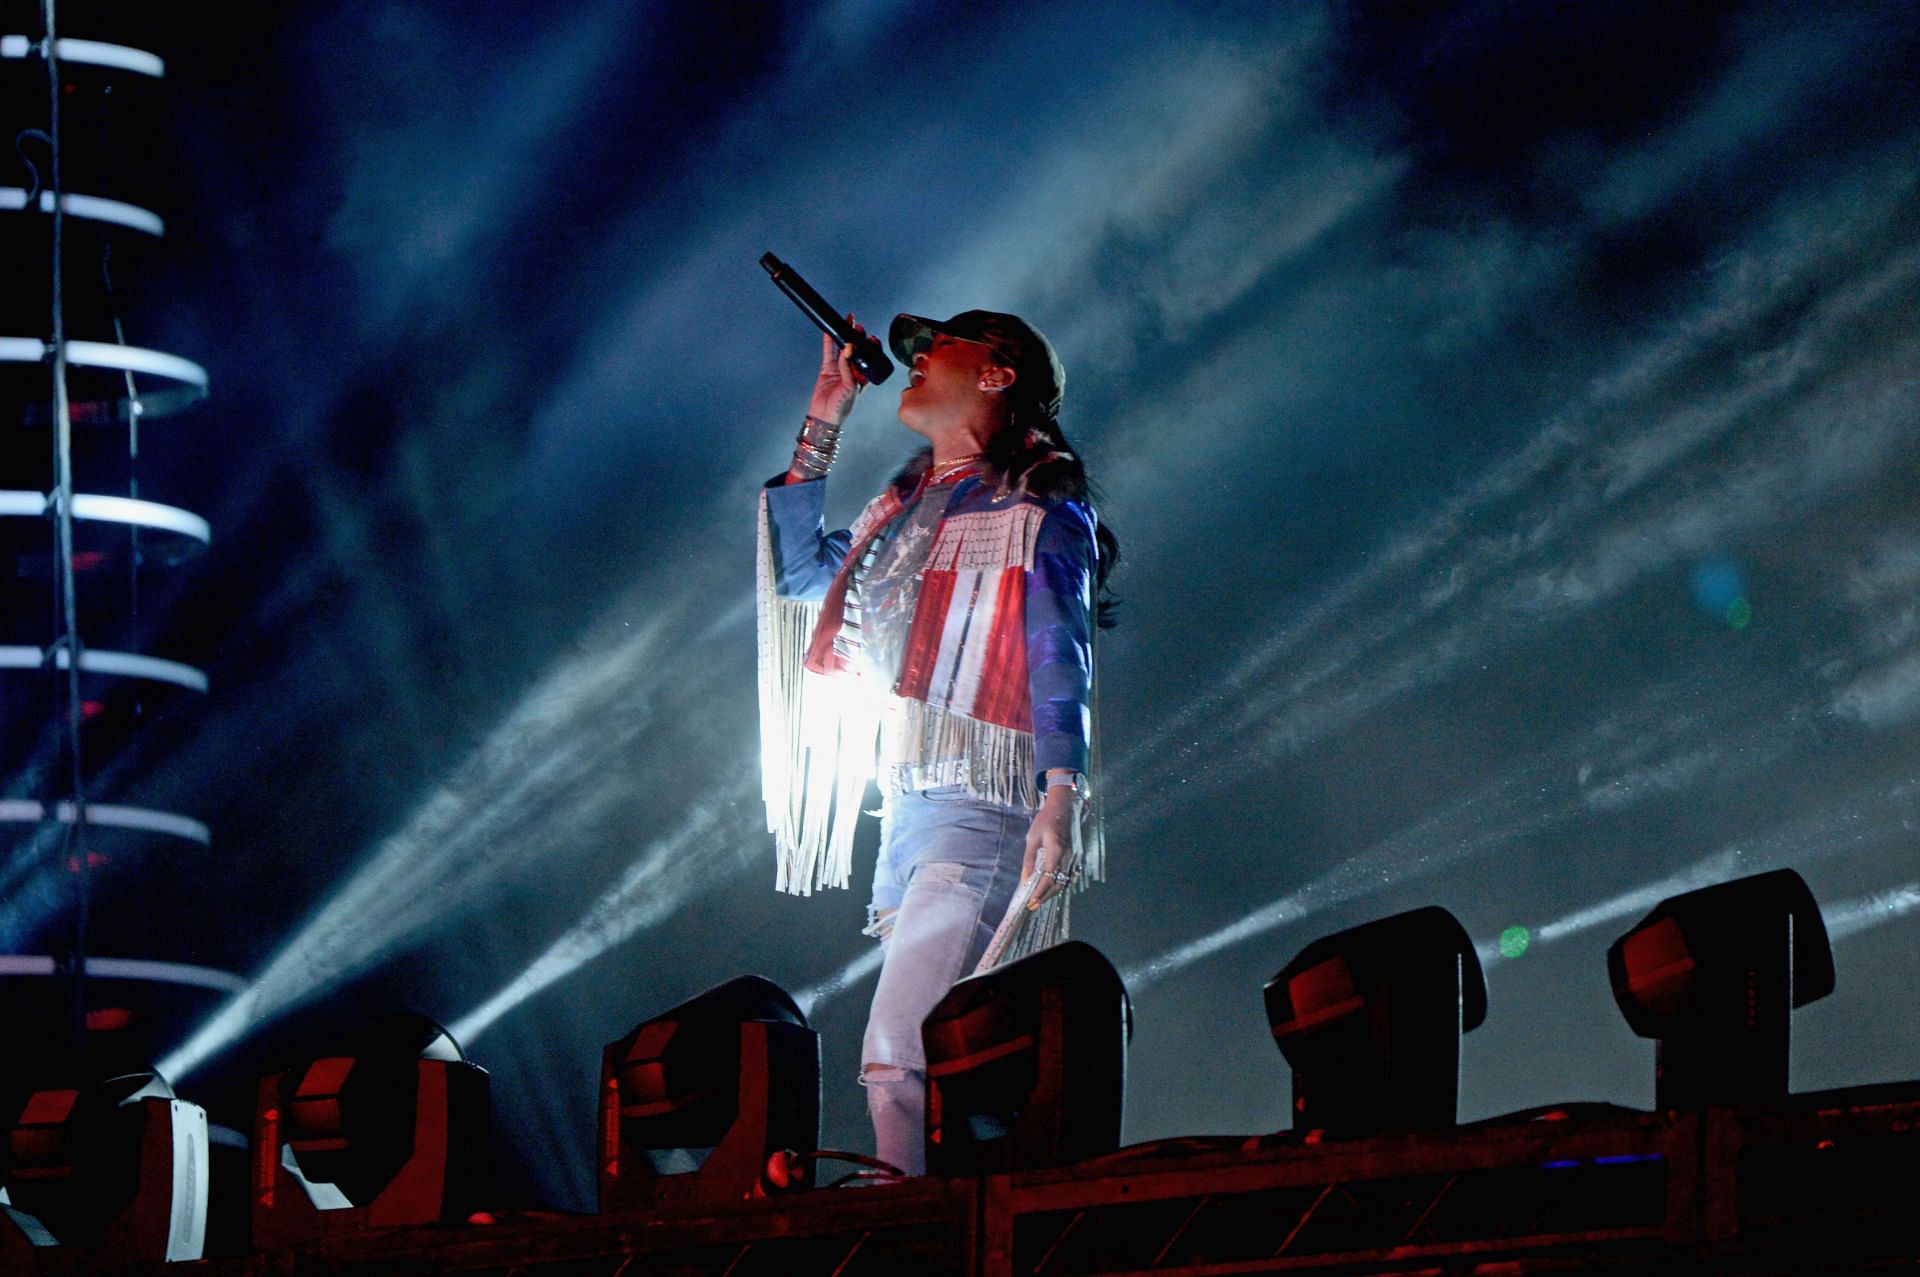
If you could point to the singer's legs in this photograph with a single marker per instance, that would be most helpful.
(947, 869)
(897, 1103)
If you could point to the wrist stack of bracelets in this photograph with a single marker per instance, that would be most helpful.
(814, 448)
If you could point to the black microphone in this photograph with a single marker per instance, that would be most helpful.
(868, 355)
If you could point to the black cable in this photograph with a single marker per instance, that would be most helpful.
(789, 1171)
(815, 1156)
(33, 170)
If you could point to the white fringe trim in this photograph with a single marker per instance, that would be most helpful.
(817, 739)
(1026, 931)
(939, 747)
(818, 747)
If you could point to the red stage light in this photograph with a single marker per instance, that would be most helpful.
(1027, 1064)
(1713, 977)
(392, 1130)
(1658, 968)
(116, 1168)
(1320, 993)
(1370, 1021)
(695, 1102)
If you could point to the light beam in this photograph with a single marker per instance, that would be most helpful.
(1863, 913)
(655, 885)
(839, 982)
(543, 784)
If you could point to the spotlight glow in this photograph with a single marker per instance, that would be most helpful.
(543, 783)
(1499, 815)
(1705, 873)
(654, 886)
(1863, 913)
(1516, 940)
(840, 981)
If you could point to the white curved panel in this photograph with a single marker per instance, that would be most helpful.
(25, 811)
(32, 964)
(110, 509)
(23, 658)
(117, 212)
(134, 665)
(158, 363)
(127, 664)
(168, 973)
(145, 514)
(190, 378)
(120, 57)
(90, 207)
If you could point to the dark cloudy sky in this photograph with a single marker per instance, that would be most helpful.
(1508, 411)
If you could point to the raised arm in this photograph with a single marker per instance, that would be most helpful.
(834, 392)
(805, 554)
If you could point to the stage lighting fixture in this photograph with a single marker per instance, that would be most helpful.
(117, 1168)
(694, 1102)
(1027, 1064)
(1713, 977)
(1370, 1021)
(391, 1129)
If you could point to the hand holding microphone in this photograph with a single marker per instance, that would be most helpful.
(834, 392)
(840, 382)
(850, 359)
(868, 357)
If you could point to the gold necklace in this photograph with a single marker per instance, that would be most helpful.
(947, 469)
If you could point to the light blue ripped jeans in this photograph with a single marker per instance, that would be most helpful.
(947, 867)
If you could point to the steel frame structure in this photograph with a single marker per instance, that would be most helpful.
(1823, 1182)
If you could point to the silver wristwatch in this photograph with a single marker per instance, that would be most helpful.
(1076, 781)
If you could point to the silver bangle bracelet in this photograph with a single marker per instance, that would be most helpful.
(815, 447)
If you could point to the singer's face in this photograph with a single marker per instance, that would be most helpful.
(943, 386)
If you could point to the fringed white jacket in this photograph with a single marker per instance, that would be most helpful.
(998, 667)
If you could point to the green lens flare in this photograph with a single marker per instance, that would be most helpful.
(1739, 613)
(1514, 941)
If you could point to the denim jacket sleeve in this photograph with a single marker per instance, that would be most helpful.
(1060, 638)
(805, 554)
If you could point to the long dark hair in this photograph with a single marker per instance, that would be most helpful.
(1030, 451)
